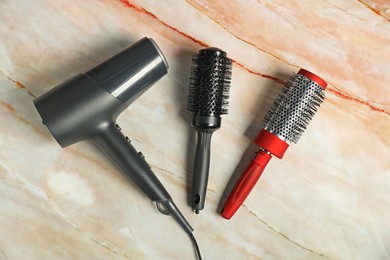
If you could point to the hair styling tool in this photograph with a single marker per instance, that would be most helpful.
(284, 123)
(207, 100)
(86, 106)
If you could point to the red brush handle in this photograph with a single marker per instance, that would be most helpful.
(245, 184)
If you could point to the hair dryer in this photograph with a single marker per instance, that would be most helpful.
(86, 106)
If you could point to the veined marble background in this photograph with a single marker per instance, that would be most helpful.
(329, 197)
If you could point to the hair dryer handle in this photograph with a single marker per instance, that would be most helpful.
(119, 149)
(245, 184)
(133, 164)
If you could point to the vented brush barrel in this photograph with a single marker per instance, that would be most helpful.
(295, 107)
(284, 124)
(291, 112)
(209, 84)
(208, 100)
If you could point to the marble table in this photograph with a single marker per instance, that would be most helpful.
(329, 197)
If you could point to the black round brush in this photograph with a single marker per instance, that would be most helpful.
(207, 100)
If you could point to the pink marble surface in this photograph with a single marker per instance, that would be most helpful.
(328, 197)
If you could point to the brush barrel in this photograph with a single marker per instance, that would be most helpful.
(294, 108)
(209, 83)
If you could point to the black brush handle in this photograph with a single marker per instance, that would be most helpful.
(201, 169)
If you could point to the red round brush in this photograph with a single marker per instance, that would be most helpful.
(284, 124)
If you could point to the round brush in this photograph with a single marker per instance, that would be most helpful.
(207, 100)
(284, 124)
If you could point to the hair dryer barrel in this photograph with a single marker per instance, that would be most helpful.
(76, 109)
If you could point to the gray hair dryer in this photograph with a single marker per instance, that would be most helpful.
(86, 106)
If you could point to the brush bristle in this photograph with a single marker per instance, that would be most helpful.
(294, 108)
(209, 83)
